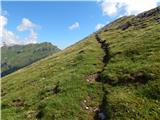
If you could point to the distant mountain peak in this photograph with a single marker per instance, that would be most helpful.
(25, 54)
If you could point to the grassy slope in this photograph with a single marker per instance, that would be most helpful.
(30, 92)
(135, 56)
(32, 83)
(134, 52)
(18, 56)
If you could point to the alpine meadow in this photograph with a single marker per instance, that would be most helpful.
(111, 74)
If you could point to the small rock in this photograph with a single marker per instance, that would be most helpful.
(87, 108)
(82, 51)
(85, 101)
(96, 109)
(30, 114)
(125, 26)
(101, 116)
(87, 80)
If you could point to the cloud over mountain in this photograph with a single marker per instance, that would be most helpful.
(10, 38)
(26, 25)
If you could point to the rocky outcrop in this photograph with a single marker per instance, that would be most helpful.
(152, 12)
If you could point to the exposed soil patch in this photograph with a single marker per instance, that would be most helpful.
(44, 94)
(18, 103)
(56, 89)
(92, 77)
(105, 48)
(101, 112)
(3, 93)
(31, 114)
(82, 51)
(139, 77)
(142, 77)
(86, 105)
(39, 114)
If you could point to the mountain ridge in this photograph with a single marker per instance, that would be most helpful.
(23, 54)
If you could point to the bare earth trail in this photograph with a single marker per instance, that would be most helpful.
(101, 112)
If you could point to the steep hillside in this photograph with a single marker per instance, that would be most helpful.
(18, 56)
(112, 74)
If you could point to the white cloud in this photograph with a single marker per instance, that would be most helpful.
(130, 7)
(32, 38)
(9, 38)
(74, 26)
(26, 25)
(99, 26)
(109, 7)
(3, 22)
(6, 36)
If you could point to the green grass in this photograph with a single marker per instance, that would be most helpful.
(133, 52)
(69, 67)
(132, 79)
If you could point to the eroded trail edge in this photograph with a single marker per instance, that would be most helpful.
(103, 112)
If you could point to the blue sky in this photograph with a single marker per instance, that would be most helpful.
(53, 20)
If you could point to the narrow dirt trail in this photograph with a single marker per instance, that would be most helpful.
(103, 112)
(106, 57)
